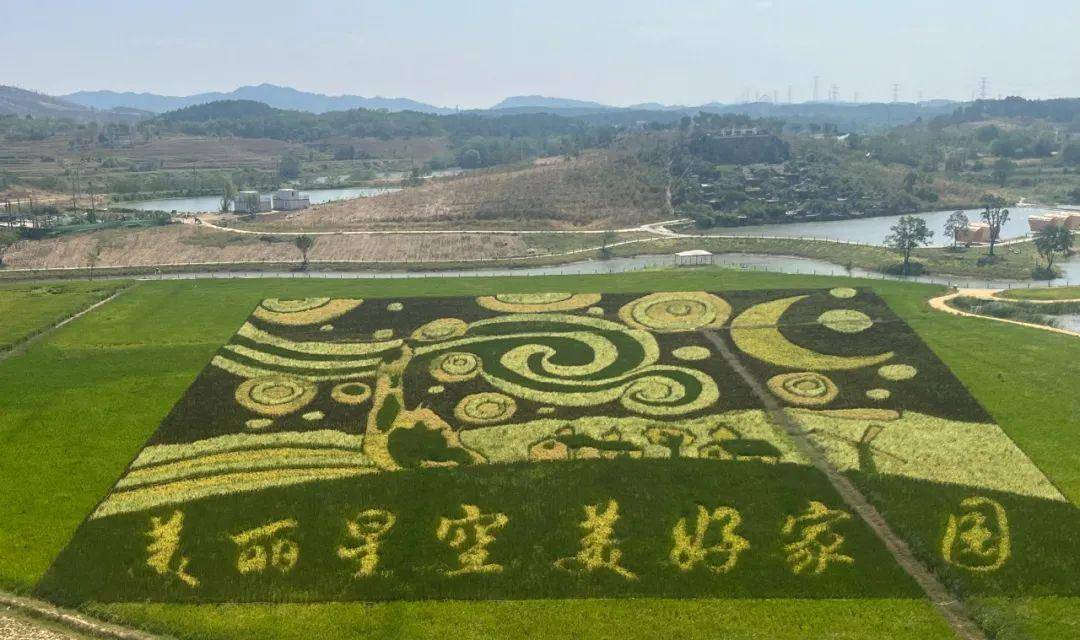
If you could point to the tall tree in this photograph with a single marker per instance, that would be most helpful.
(1050, 241)
(957, 222)
(995, 215)
(228, 195)
(909, 233)
(1003, 168)
(304, 244)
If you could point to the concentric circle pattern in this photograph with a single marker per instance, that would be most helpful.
(804, 388)
(676, 311)
(485, 408)
(275, 395)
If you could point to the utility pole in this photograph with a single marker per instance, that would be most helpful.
(817, 79)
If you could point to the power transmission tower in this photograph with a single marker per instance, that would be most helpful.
(834, 94)
(855, 98)
(817, 80)
(789, 94)
(896, 92)
(982, 88)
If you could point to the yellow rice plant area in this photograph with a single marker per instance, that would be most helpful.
(569, 445)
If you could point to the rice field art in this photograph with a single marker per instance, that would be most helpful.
(553, 445)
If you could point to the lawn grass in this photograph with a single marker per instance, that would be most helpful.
(772, 619)
(28, 308)
(113, 375)
(1052, 293)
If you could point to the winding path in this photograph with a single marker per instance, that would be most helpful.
(941, 303)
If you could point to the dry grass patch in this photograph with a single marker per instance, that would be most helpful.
(597, 190)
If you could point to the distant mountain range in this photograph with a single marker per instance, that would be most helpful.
(129, 106)
(273, 95)
(20, 102)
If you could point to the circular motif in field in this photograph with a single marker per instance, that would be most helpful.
(326, 328)
(256, 424)
(303, 311)
(805, 388)
(441, 329)
(456, 366)
(383, 334)
(845, 320)
(312, 416)
(485, 408)
(691, 353)
(395, 306)
(351, 393)
(436, 389)
(897, 372)
(843, 292)
(275, 395)
(595, 311)
(676, 311)
(280, 305)
(537, 302)
(878, 394)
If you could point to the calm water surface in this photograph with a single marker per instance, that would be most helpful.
(204, 204)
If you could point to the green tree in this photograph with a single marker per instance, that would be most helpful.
(1050, 241)
(909, 233)
(304, 244)
(289, 167)
(995, 215)
(1003, 168)
(957, 222)
(1070, 154)
(607, 239)
(228, 195)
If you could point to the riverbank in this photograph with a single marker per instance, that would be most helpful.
(946, 265)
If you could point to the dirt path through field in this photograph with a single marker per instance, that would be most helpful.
(20, 347)
(948, 605)
(32, 619)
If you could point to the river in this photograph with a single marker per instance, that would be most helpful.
(741, 261)
(874, 230)
(204, 204)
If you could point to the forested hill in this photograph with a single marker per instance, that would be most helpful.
(1055, 110)
(247, 119)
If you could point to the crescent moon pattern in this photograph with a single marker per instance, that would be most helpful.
(756, 332)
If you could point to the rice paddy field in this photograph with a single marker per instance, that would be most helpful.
(639, 456)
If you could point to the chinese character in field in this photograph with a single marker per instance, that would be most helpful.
(599, 549)
(815, 544)
(713, 541)
(368, 528)
(163, 551)
(979, 539)
(472, 534)
(267, 546)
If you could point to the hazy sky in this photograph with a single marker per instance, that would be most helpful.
(472, 53)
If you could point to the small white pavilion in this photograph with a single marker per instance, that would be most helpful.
(693, 258)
